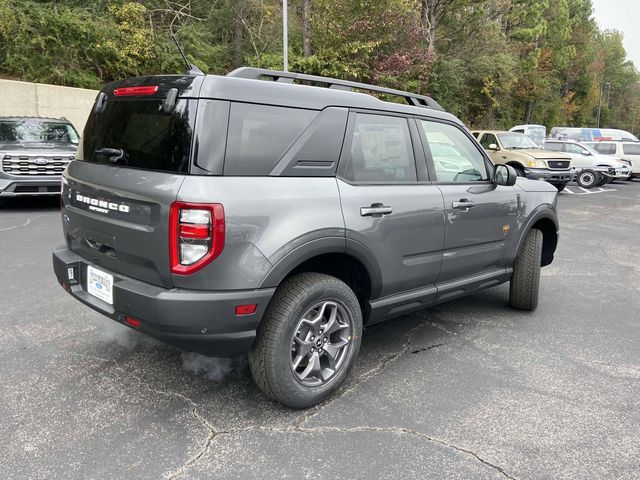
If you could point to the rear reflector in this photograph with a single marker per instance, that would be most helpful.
(143, 90)
(132, 322)
(249, 309)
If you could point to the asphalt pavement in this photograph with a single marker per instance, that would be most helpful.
(468, 389)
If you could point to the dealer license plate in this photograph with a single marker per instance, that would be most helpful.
(100, 284)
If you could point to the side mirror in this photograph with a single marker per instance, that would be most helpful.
(586, 153)
(493, 146)
(504, 175)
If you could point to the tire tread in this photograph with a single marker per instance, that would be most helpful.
(525, 281)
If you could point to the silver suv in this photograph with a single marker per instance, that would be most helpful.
(34, 152)
(591, 168)
(253, 214)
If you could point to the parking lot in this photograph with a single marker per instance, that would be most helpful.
(469, 389)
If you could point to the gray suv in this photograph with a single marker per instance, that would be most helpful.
(34, 151)
(277, 214)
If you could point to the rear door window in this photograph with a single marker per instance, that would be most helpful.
(605, 148)
(149, 138)
(552, 146)
(260, 134)
(631, 149)
(381, 150)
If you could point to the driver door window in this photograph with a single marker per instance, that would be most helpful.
(573, 148)
(488, 139)
(455, 156)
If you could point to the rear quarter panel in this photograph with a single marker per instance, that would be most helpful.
(266, 219)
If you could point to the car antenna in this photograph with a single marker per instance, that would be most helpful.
(191, 68)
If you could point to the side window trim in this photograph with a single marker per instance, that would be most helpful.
(345, 154)
(429, 157)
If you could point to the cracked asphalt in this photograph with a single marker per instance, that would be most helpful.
(468, 389)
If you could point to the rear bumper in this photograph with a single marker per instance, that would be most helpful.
(17, 186)
(199, 321)
(552, 176)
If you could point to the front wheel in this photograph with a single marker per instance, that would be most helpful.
(525, 281)
(559, 186)
(588, 178)
(308, 340)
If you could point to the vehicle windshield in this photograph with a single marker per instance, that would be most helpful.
(516, 141)
(36, 131)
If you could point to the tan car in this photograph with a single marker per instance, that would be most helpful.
(526, 156)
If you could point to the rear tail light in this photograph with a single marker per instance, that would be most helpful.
(196, 235)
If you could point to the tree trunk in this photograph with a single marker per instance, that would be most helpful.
(430, 11)
(306, 28)
(238, 35)
(528, 114)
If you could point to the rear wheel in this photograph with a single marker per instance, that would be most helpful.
(308, 340)
(525, 281)
(588, 178)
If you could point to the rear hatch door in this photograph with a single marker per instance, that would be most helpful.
(132, 158)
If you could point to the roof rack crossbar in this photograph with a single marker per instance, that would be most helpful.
(333, 83)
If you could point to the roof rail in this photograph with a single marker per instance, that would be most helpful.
(290, 77)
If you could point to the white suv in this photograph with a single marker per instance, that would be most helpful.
(627, 152)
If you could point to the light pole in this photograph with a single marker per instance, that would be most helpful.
(285, 36)
(608, 84)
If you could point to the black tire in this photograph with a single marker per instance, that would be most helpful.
(270, 359)
(525, 281)
(560, 186)
(519, 170)
(588, 178)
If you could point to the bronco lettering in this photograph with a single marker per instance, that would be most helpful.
(104, 205)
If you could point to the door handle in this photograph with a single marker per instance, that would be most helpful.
(463, 204)
(99, 247)
(375, 210)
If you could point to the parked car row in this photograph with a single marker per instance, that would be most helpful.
(560, 161)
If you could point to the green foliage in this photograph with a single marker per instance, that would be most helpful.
(497, 62)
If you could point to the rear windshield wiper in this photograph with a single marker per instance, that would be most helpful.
(115, 154)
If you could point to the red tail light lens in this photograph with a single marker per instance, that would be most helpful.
(196, 235)
(143, 90)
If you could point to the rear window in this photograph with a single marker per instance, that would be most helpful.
(631, 149)
(150, 139)
(259, 135)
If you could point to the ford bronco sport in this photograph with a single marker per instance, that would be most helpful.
(34, 151)
(277, 214)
